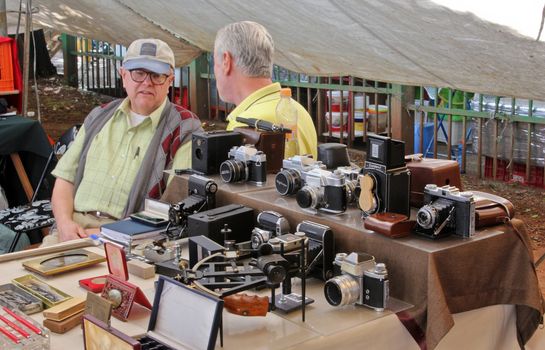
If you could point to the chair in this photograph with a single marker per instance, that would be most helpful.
(38, 213)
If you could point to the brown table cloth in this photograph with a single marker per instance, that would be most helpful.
(439, 278)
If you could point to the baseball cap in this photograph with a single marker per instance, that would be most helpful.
(153, 55)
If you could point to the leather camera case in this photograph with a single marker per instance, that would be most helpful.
(491, 210)
(392, 225)
(269, 142)
(431, 171)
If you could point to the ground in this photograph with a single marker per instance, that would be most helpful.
(63, 106)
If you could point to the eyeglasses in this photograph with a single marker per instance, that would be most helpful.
(139, 76)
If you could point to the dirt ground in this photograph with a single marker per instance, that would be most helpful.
(63, 106)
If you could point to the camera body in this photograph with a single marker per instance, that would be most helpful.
(351, 173)
(448, 211)
(270, 224)
(384, 179)
(292, 176)
(210, 149)
(361, 282)
(321, 249)
(201, 196)
(323, 190)
(245, 163)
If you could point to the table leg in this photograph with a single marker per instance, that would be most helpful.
(23, 177)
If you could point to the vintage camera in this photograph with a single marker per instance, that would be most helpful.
(201, 196)
(361, 282)
(209, 149)
(323, 190)
(245, 163)
(384, 179)
(271, 224)
(273, 221)
(351, 174)
(274, 267)
(284, 243)
(448, 211)
(292, 176)
(321, 249)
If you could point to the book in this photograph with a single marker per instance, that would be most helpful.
(128, 230)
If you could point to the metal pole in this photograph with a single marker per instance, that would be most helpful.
(26, 56)
(3, 19)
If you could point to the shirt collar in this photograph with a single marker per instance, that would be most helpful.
(154, 116)
(253, 97)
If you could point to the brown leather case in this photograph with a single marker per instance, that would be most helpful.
(491, 210)
(431, 171)
(389, 224)
(269, 142)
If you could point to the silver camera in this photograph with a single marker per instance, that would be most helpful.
(351, 174)
(245, 163)
(360, 280)
(448, 211)
(323, 190)
(292, 176)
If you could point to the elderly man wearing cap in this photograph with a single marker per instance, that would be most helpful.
(123, 147)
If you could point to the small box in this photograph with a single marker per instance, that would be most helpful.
(238, 218)
(210, 149)
(49, 295)
(17, 298)
(170, 326)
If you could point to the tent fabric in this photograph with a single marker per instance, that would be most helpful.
(415, 42)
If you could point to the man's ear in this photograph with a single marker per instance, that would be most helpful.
(121, 73)
(227, 63)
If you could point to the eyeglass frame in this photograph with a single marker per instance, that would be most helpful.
(148, 74)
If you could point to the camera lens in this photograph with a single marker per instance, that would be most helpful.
(287, 181)
(342, 290)
(275, 273)
(211, 187)
(232, 170)
(309, 197)
(426, 216)
(259, 237)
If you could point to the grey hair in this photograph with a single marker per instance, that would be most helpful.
(251, 46)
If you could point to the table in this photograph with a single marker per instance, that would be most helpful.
(440, 278)
(25, 141)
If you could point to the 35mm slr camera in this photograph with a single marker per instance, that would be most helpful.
(245, 163)
(361, 281)
(294, 171)
(448, 211)
(201, 196)
(323, 190)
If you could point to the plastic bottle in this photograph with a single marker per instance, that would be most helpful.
(286, 115)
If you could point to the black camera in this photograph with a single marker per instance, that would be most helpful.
(294, 170)
(384, 180)
(448, 211)
(245, 163)
(361, 282)
(321, 249)
(201, 196)
(270, 224)
(274, 267)
(210, 149)
(323, 190)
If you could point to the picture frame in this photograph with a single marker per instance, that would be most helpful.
(63, 262)
(123, 294)
(98, 335)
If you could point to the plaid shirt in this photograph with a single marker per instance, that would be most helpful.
(113, 160)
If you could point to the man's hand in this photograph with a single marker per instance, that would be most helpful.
(69, 230)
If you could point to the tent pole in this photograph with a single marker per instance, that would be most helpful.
(26, 55)
(3, 19)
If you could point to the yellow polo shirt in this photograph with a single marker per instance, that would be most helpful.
(261, 104)
(114, 158)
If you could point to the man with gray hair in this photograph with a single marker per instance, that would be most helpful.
(119, 155)
(243, 63)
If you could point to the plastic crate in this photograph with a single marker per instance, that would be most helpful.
(6, 67)
(519, 172)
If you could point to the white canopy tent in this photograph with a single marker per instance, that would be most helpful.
(416, 42)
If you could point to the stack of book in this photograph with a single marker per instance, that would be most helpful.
(130, 232)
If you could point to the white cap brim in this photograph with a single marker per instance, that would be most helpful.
(147, 64)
